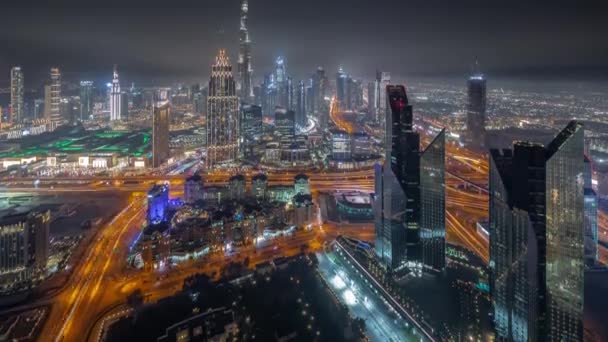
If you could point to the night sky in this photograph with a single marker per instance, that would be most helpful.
(156, 41)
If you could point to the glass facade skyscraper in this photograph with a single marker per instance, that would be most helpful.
(565, 217)
(398, 192)
(86, 100)
(591, 208)
(476, 111)
(536, 239)
(432, 199)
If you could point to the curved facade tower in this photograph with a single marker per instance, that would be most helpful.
(222, 114)
(245, 70)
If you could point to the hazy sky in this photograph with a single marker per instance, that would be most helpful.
(166, 40)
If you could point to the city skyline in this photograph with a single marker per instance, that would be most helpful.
(342, 171)
(197, 30)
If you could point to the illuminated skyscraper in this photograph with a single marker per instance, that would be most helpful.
(245, 69)
(408, 235)
(319, 90)
(86, 100)
(301, 105)
(222, 114)
(52, 99)
(280, 74)
(341, 88)
(115, 98)
(383, 79)
(161, 115)
(432, 199)
(17, 108)
(476, 111)
(536, 239)
(591, 206)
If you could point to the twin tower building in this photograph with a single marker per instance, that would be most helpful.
(409, 201)
(537, 215)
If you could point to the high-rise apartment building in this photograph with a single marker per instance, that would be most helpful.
(536, 239)
(116, 98)
(408, 235)
(52, 100)
(161, 116)
(245, 69)
(222, 114)
(17, 91)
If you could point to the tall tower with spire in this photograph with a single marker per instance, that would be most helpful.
(245, 70)
(222, 114)
(115, 98)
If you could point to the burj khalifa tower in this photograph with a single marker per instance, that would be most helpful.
(245, 70)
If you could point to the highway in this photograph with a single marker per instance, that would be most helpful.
(101, 280)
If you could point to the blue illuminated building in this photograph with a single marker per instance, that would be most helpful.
(158, 204)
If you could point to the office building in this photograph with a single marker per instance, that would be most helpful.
(301, 119)
(340, 145)
(25, 249)
(161, 116)
(245, 69)
(251, 129)
(284, 122)
(301, 184)
(52, 100)
(86, 100)
(591, 208)
(341, 89)
(537, 237)
(17, 91)
(383, 79)
(476, 111)
(319, 90)
(236, 187)
(432, 199)
(115, 98)
(158, 204)
(193, 189)
(269, 96)
(371, 101)
(407, 235)
(361, 145)
(222, 114)
(251, 122)
(259, 186)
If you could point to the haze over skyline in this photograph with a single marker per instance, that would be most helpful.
(158, 41)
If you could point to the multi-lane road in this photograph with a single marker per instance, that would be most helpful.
(100, 281)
